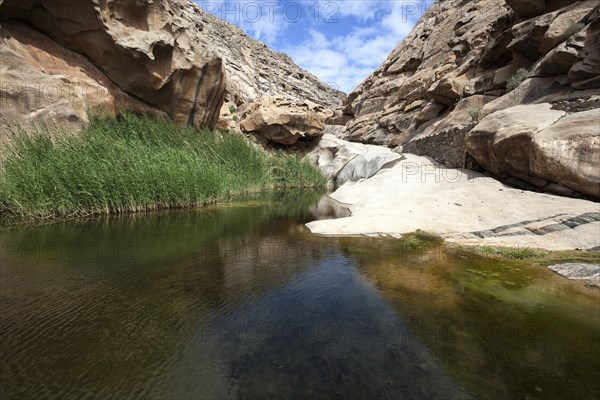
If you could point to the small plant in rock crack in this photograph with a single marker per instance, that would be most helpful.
(516, 79)
(474, 113)
(233, 112)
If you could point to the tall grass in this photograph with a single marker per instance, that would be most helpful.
(137, 163)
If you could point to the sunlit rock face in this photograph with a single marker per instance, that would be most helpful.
(466, 61)
(284, 122)
(44, 83)
(62, 58)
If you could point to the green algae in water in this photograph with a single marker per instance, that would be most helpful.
(243, 302)
(505, 329)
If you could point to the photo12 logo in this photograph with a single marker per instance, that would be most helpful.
(254, 12)
(327, 12)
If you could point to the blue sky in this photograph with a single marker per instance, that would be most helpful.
(342, 42)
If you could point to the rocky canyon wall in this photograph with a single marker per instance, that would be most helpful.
(60, 59)
(513, 87)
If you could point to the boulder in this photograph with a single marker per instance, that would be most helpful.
(546, 148)
(343, 161)
(367, 164)
(501, 142)
(568, 152)
(283, 121)
(331, 154)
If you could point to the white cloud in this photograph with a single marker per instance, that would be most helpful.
(353, 56)
(362, 9)
(402, 17)
(343, 62)
(340, 57)
(367, 50)
(346, 60)
(261, 19)
(264, 30)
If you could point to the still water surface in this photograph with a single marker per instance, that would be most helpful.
(241, 301)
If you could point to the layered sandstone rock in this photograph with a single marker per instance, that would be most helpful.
(42, 83)
(342, 161)
(166, 56)
(284, 121)
(254, 71)
(549, 149)
(504, 150)
(568, 153)
(463, 207)
(466, 62)
(150, 50)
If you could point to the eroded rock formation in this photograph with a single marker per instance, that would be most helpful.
(343, 161)
(548, 146)
(61, 58)
(499, 75)
(43, 83)
(461, 206)
(284, 121)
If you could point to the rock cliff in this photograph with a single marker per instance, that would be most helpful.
(61, 58)
(487, 84)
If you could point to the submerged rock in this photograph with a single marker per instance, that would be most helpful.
(579, 271)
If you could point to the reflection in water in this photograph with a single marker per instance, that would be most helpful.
(240, 301)
(503, 330)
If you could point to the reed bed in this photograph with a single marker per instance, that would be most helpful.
(137, 163)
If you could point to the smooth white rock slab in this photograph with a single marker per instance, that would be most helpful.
(418, 193)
